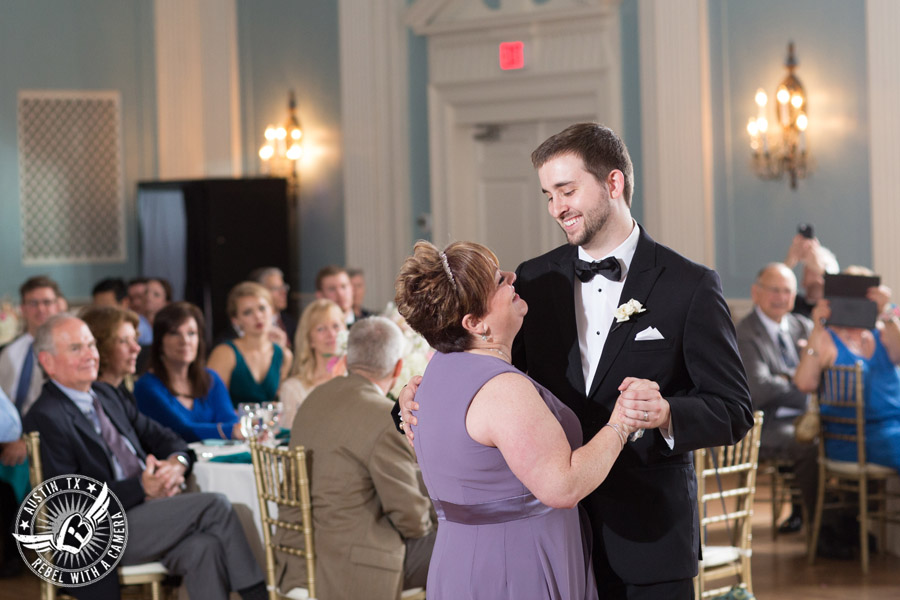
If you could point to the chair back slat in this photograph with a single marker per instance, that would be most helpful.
(282, 478)
(842, 407)
(729, 506)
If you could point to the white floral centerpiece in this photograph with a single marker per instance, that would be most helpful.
(416, 355)
(9, 322)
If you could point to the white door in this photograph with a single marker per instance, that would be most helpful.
(510, 211)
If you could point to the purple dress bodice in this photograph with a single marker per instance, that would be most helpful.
(539, 555)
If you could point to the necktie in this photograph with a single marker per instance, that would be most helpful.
(609, 267)
(786, 353)
(25, 378)
(131, 466)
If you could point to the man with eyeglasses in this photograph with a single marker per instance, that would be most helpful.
(272, 278)
(20, 376)
(771, 340)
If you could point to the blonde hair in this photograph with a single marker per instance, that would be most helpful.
(247, 289)
(304, 357)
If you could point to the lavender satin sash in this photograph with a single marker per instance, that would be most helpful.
(495, 511)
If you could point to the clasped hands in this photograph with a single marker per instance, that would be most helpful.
(639, 406)
(162, 478)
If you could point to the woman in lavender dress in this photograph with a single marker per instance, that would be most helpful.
(502, 457)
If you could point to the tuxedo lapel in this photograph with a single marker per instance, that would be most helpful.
(563, 297)
(642, 275)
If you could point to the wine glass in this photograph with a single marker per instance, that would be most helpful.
(249, 415)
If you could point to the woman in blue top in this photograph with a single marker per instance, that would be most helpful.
(252, 366)
(179, 391)
(879, 351)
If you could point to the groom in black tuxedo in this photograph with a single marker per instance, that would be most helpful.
(674, 360)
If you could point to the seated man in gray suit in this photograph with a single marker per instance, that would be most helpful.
(373, 528)
(88, 429)
(770, 340)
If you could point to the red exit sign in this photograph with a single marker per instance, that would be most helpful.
(512, 55)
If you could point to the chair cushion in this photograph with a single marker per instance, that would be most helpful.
(150, 568)
(713, 556)
(845, 467)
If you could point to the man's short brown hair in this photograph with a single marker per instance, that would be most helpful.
(37, 282)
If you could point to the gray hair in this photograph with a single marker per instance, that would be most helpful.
(43, 337)
(374, 346)
(259, 275)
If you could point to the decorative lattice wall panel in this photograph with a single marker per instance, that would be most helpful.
(70, 177)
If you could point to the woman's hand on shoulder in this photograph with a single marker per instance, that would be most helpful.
(407, 402)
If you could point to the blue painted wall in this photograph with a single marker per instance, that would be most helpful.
(75, 45)
(284, 45)
(756, 219)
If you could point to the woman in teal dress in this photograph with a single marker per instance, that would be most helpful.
(251, 366)
(879, 352)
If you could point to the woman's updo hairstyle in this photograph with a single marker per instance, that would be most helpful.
(435, 290)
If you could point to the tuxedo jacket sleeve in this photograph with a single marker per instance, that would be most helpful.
(770, 380)
(71, 445)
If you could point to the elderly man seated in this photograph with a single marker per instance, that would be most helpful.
(88, 429)
(373, 528)
(770, 340)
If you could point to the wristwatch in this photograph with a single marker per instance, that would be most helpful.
(183, 460)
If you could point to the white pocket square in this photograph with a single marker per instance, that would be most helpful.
(651, 333)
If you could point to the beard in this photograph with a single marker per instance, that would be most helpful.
(594, 221)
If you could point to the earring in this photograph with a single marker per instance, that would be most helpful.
(484, 335)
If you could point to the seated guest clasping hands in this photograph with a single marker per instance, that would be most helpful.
(87, 429)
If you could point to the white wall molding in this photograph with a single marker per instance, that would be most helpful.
(375, 126)
(883, 38)
(197, 88)
(677, 152)
(562, 79)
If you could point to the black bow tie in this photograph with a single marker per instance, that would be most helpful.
(609, 267)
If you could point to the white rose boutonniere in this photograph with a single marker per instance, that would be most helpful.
(624, 312)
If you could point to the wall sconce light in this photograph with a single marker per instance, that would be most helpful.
(774, 157)
(282, 149)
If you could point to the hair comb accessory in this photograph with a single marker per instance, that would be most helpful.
(447, 270)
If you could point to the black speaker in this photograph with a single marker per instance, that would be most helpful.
(206, 235)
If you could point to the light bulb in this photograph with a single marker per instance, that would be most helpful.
(802, 122)
(296, 134)
(280, 133)
(752, 129)
(797, 100)
(783, 96)
(266, 152)
(270, 133)
(761, 98)
(762, 124)
(295, 152)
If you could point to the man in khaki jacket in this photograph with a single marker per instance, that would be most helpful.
(373, 527)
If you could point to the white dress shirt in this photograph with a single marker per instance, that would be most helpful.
(596, 302)
(11, 360)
